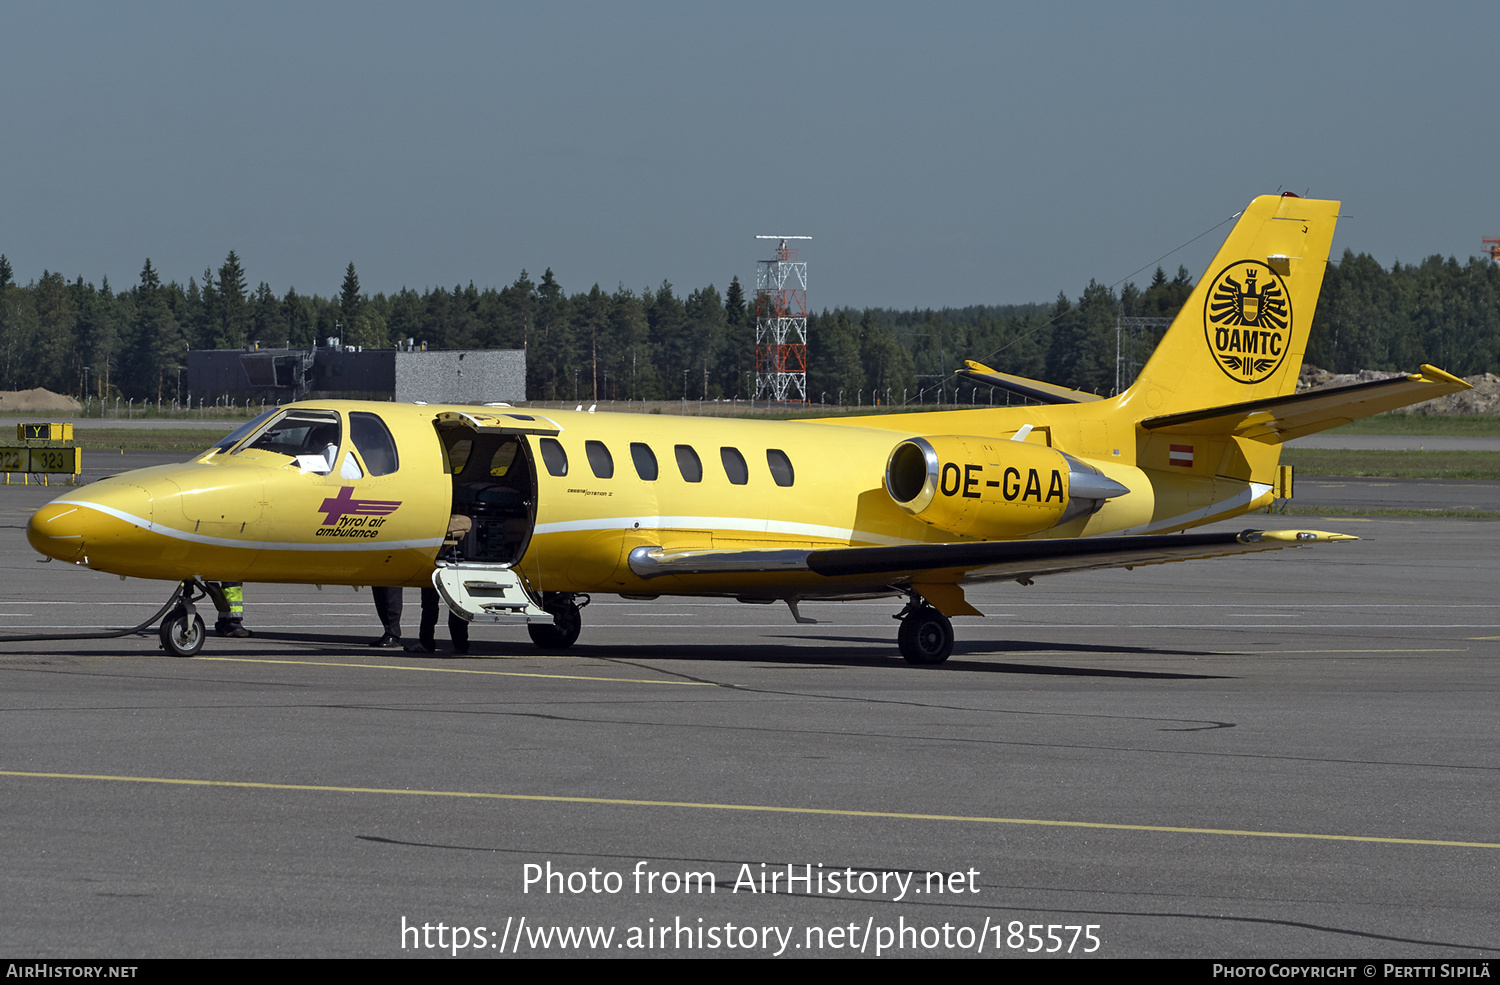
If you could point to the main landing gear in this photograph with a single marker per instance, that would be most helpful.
(926, 635)
(564, 608)
(182, 632)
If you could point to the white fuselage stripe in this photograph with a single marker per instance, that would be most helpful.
(1252, 492)
(252, 545)
(787, 528)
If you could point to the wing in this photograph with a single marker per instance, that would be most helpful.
(851, 569)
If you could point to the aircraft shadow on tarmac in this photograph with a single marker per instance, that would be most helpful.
(859, 652)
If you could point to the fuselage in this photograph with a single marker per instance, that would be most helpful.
(349, 492)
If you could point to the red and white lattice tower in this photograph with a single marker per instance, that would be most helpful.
(781, 324)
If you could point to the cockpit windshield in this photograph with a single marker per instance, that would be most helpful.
(238, 434)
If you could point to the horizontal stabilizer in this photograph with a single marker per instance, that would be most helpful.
(1047, 393)
(1276, 419)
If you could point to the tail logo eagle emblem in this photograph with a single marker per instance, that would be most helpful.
(1247, 320)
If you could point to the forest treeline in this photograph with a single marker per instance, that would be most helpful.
(69, 336)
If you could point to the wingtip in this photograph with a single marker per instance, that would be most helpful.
(1296, 536)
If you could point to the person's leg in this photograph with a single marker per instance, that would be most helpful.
(388, 608)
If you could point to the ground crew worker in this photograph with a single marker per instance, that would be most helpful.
(231, 623)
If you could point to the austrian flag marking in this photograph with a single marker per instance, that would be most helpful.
(1180, 455)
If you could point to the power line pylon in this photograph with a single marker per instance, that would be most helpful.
(781, 324)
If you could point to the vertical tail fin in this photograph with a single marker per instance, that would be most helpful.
(1243, 331)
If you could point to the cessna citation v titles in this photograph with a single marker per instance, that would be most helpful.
(515, 517)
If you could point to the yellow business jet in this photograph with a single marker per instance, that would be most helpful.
(516, 516)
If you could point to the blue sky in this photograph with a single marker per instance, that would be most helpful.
(939, 155)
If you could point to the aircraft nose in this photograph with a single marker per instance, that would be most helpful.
(57, 531)
(83, 526)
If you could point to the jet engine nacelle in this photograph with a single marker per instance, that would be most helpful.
(993, 489)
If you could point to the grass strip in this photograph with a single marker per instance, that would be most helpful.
(146, 439)
(1460, 425)
(1334, 511)
(1394, 464)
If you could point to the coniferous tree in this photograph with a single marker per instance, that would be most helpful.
(231, 312)
(349, 299)
(638, 376)
(18, 332)
(736, 363)
(887, 363)
(551, 362)
(590, 326)
(405, 320)
(704, 328)
(157, 351)
(57, 356)
(668, 343)
(463, 317)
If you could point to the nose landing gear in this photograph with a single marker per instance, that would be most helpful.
(182, 632)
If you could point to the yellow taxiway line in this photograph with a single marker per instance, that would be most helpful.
(753, 808)
(456, 670)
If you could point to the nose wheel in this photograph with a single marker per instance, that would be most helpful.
(182, 633)
(926, 635)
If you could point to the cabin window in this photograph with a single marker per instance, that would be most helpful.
(734, 466)
(306, 435)
(600, 460)
(781, 466)
(374, 441)
(505, 455)
(554, 456)
(688, 463)
(458, 455)
(644, 459)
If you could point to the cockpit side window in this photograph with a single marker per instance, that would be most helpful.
(374, 441)
(300, 432)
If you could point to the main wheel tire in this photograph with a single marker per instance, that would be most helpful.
(925, 637)
(563, 633)
(182, 634)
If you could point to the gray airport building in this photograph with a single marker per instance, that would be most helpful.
(456, 376)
